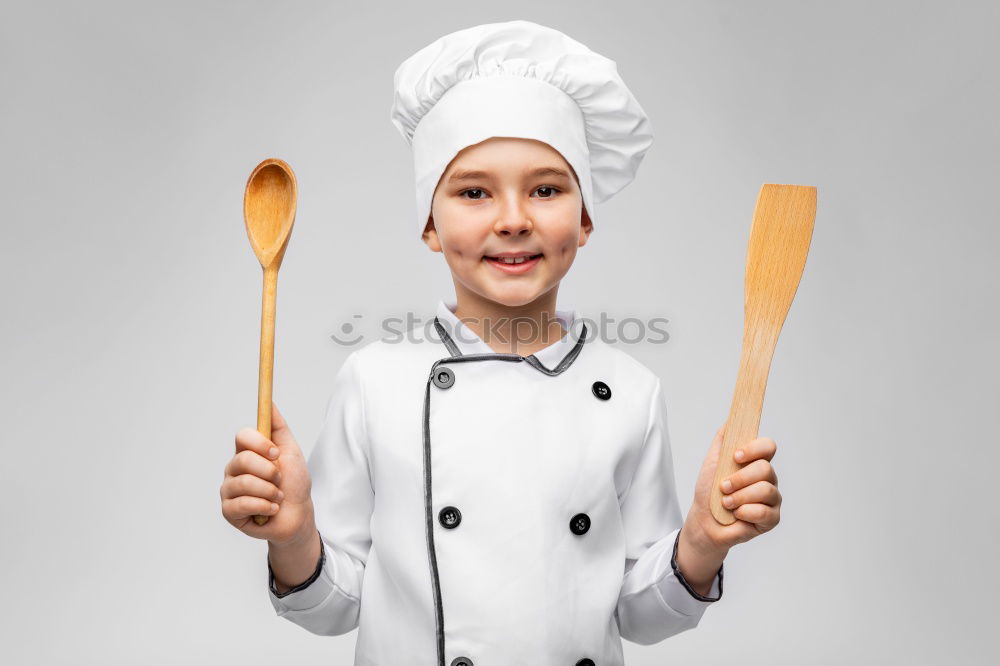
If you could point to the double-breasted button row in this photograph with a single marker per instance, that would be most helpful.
(444, 378)
(465, 661)
(450, 518)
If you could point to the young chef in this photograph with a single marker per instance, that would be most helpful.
(475, 501)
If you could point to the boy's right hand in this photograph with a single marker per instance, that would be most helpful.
(277, 486)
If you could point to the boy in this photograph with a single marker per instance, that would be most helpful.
(491, 496)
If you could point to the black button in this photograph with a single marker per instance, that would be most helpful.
(443, 378)
(579, 524)
(450, 517)
(461, 661)
(585, 662)
(601, 390)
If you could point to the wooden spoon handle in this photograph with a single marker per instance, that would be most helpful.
(744, 413)
(266, 375)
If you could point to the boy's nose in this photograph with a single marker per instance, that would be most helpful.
(513, 218)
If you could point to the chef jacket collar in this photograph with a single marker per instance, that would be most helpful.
(463, 341)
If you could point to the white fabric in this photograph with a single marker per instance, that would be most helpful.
(519, 453)
(519, 79)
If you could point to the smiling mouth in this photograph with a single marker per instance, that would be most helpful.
(513, 260)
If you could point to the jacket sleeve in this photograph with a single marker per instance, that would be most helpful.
(328, 603)
(655, 601)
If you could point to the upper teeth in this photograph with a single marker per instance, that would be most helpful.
(513, 260)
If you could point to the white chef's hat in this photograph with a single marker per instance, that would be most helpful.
(519, 79)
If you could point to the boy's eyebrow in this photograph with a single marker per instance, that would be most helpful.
(471, 174)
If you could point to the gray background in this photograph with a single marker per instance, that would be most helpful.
(131, 314)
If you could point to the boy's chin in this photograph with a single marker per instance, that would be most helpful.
(512, 298)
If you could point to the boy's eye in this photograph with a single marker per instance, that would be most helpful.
(473, 192)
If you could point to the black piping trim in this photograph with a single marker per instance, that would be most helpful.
(458, 357)
(532, 360)
(301, 586)
(429, 526)
(446, 339)
(687, 585)
(563, 364)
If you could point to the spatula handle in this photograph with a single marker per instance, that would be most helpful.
(266, 375)
(744, 412)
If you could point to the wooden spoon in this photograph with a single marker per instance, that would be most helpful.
(779, 242)
(269, 211)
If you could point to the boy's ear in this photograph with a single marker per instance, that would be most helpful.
(430, 236)
(586, 227)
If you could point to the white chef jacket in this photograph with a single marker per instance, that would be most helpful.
(478, 508)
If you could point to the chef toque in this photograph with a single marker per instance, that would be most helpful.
(518, 79)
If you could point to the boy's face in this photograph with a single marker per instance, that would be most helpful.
(503, 196)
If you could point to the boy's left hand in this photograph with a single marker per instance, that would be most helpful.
(753, 496)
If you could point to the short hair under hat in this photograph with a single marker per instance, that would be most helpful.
(519, 79)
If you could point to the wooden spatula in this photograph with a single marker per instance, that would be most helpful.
(779, 242)
(269, 212)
